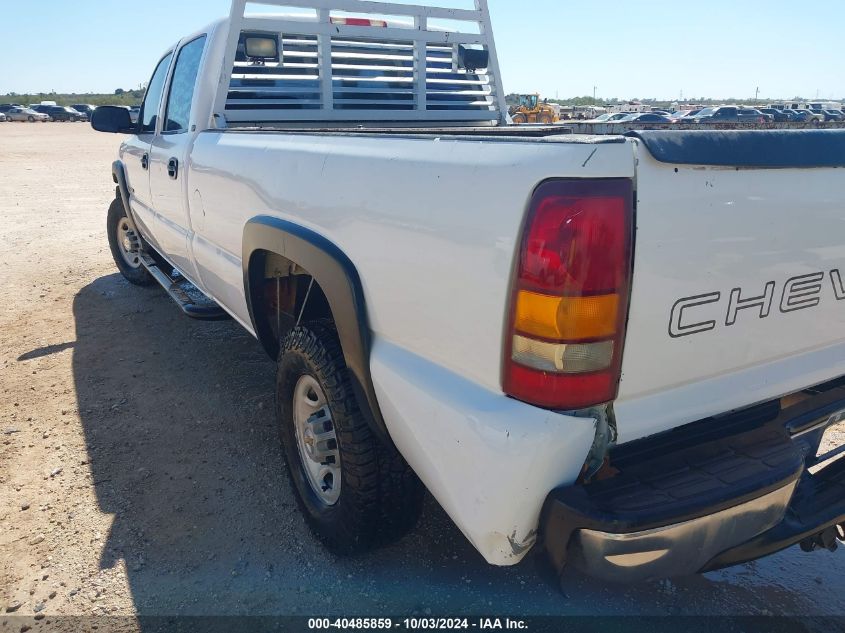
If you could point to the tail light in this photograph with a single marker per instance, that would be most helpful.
(564, 342)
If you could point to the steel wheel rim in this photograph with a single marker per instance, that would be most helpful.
(127, 244)
(316, 440)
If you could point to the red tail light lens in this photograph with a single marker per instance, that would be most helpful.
(359, 22)
(566, 333)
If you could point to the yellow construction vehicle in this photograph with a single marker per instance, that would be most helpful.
(531, 110)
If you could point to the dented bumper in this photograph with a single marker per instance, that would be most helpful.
(489, 460)
(710, 495)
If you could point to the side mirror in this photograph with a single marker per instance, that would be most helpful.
(113, 119)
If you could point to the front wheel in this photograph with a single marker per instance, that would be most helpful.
(519, 119)
(355, 492)
(125, 246)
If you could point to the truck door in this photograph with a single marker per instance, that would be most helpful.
(135, 152)
(169, 154)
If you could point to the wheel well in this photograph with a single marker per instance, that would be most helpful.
(288, 295)
(292, 273)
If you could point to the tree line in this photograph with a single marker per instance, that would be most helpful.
(118, 97)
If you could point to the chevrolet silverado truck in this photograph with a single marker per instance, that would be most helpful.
(620, 351)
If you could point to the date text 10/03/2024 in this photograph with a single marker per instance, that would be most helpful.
(415, 624)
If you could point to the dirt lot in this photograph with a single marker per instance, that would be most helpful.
(139, 465)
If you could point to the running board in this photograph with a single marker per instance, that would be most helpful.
(178, 290)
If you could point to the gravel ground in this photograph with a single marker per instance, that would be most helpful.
(140, 471)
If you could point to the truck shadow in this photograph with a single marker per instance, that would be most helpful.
(182, 446)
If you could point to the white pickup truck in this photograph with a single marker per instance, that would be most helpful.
(623, 350)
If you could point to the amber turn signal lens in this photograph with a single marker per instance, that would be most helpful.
(567, 318)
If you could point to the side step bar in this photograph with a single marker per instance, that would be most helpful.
(177, 290)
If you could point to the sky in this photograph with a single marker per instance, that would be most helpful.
(564, 48)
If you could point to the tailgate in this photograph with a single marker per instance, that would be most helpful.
(739, 276)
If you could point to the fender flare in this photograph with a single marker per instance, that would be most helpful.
(339, 280)
(118, 174)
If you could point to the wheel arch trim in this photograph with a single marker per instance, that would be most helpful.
(118, 174)
(337, 277)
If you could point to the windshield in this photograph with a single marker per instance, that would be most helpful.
(529, 100)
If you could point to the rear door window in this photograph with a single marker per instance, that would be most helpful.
(178, 113)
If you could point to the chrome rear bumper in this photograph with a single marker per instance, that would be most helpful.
(713, 494)
(679, 549)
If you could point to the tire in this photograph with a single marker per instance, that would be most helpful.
(379, 498)
(545, 119)
(137, 275)
(519, 119)
(30, 118)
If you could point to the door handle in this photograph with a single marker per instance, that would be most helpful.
(173, 168)
(145, 161)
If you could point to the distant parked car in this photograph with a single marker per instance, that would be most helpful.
(800, 116)
(793, 115)
(832, 115)
(26, 114)
(755, 115)
(645, 117)
(814, 115)
(701, 114)
(779, 116)
(43, 109)
(616, 116)
(61, 113)
(684, 116)
(602, 118)
(5, 107)
(731, 114)
(85, 108)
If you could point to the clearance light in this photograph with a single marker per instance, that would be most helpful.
(359, 22)
(570, 298)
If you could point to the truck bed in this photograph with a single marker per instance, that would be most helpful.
(702, 227)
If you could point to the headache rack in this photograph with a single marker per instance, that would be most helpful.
(356, 62)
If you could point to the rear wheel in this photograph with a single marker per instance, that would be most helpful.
(30, 118)
(520, 118)
(125, 246)
(355, 492)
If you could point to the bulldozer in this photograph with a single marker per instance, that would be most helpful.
(531, 110)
